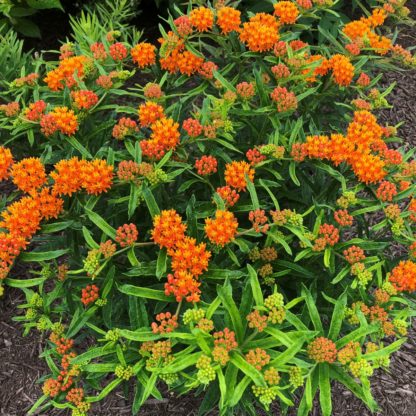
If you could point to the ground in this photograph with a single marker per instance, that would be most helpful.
(395, 390)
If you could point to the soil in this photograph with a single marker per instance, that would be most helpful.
(394, 390)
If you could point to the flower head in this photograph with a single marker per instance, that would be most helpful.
(235, 174)
(222, 229)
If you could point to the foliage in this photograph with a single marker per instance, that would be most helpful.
(223, 214)
(17, 14)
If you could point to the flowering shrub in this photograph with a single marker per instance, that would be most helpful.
(236, 224)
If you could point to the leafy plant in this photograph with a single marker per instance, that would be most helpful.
(245, 246)
(17, 14)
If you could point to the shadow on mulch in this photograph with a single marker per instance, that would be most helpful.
(394, 390)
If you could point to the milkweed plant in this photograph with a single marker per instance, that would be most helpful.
(220, 212)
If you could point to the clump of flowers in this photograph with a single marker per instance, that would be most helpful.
(222, 229)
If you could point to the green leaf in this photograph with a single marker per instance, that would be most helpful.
(144, 292)
(161, 264)
(253, 194)
(313, 310)
(43, 256)
(247, 369)
(292, 173)
(325, 390)
(255, 286)
(101, 223)
(45, 4)
(88, 238)
(227, 300)
(21, 283)
(337, 317)
(151, 202)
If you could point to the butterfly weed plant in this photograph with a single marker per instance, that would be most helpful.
(220, 212)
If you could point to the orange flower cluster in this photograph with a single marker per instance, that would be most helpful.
(260, 33)
(386, 191)
(259, 220)
(11, 109)
(235, 174)
(228, 195)
(84, 99)
(322, 350)
(98, 50)
(222, 229)
(189, 259)
(167, 323)
(193, 127)
(60, 119)
(284, 99)
(255, 157)
(258, 358)
(118, 51)
(228, 19)
(257, 321)
(126, 235)
(65, 73)
(245, 90)
(72, 175)
(149, 113)
(168, 229)
(29, 80)
(343, 218)
(206, 165)
(362, 31)
(364, 135)
(28, 174)
(165, 136)
(89, 294)
(342, 69)
(183, 285)
(286, 11)
(124, 127)
(144, 54)
(328, 235)
(6, 161)
(202, 19)
(403, 276)
(183, 26)
(35, 110)
(354, 254)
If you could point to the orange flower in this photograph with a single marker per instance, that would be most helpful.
(35, 110)
(258, 358)
(342, 69)
(228, 195)
(29, 174)
(206, 165)
(183, 285)
(124, 127)
(149, 112)
(60, 118)
(189, 257)
(222, 229)
(368, 168)
(235, 174)
(381, 44)
(386, 191)
(168, 229)
(165, 133)
(10, 247)
(403, 276)
(67, 176)
(6, 161)
(22, 218)
(261, 33)
(50, 206)
(64, 73)
(84, 99)
(144, 54)
(377, 18)
(188, 63)
(97, 176)
(322, 350)
(228, 19)
(356, 29)
(202, 19)
(286, 11)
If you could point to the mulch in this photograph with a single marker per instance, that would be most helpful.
(394, 390)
